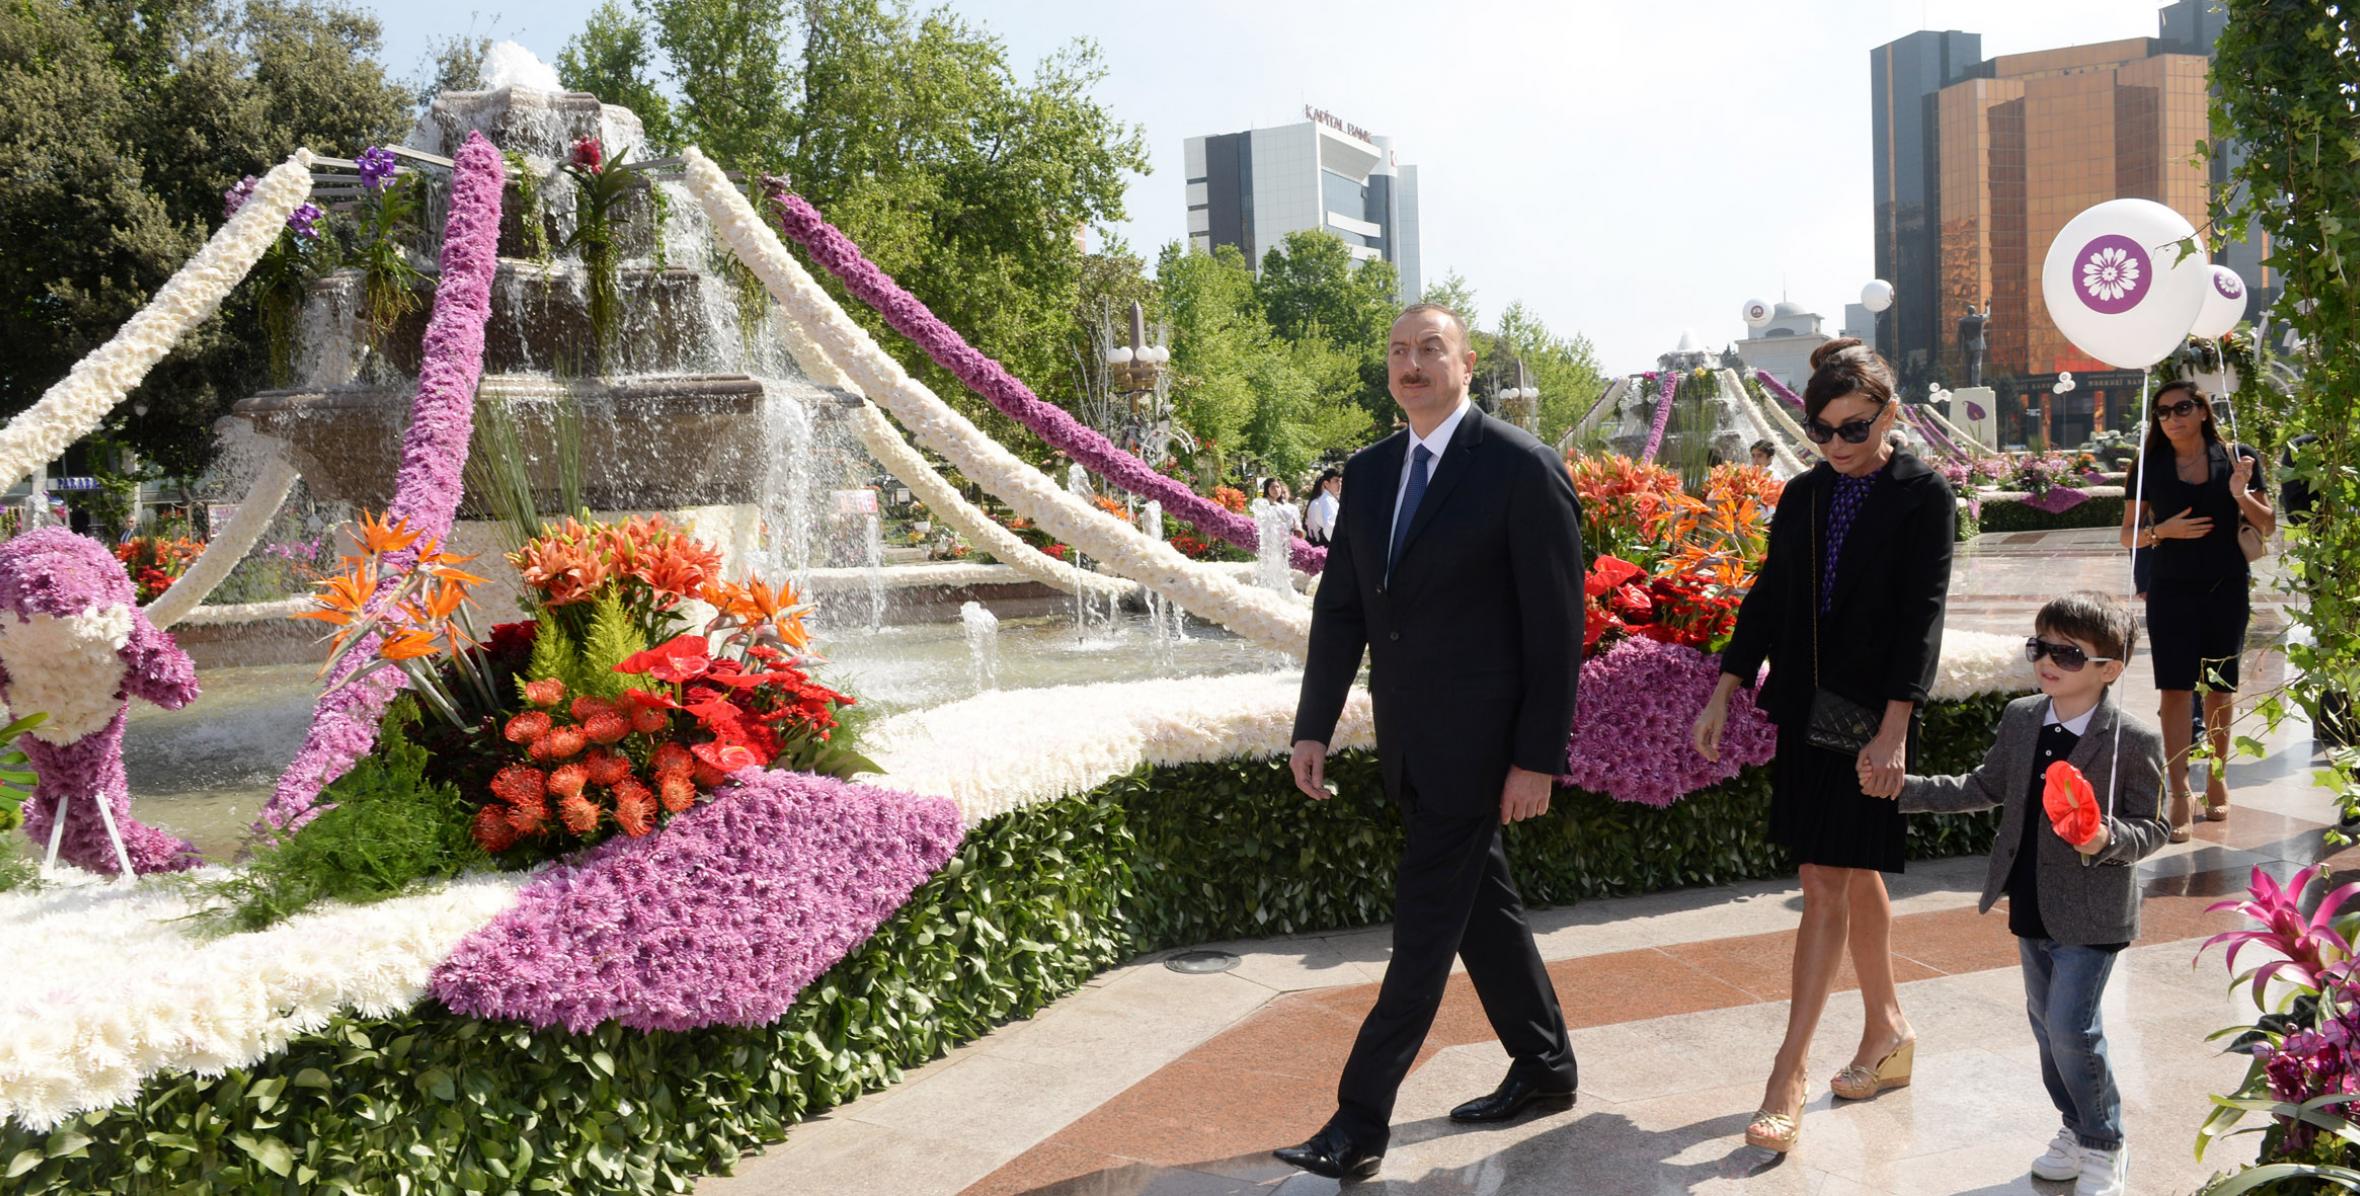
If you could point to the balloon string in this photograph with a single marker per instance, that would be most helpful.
(2138, 503)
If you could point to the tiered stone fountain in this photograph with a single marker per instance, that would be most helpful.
(689, 416)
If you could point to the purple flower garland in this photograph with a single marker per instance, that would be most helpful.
(1778, 388)
(426, 490)
(718, 921)
(1667, 385)
(1637, 703)
(836, 253)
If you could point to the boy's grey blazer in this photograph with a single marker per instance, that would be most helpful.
(2085, 901)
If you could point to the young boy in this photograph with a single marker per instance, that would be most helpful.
(2071, 906)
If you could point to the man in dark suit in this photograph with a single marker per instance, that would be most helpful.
(1457, 564)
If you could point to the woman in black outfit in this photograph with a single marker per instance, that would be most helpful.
(2197, 605)
(1849, 602)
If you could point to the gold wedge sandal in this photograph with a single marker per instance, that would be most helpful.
(1777, 1132)
(2183, 816)
(1860, 1083)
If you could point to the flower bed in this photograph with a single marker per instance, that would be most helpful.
(2016, 511)
(1034, 902)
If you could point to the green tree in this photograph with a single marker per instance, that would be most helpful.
(1252, 398)
(123, 125)
(1455, 293)
(613, 58)
(728, 61)
(1564, 369)
(2282, 92)
(1310, 285)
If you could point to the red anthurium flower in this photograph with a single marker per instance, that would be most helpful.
(726, 758)
(651, 701)
(1608, 573)
(680, 659)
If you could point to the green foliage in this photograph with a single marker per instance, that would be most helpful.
(613, 58)
(1034, 904)
(2015, 515)
(614, 636)
(123, 126)
(1309, 288)
(16, 771)
(2282, 93)
(388, 829)
(17, 871)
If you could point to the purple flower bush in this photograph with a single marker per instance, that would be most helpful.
(720, 920)
(51, 571)
(426, 490)
(1637, 703)
(1667, 386)
(836, 253)
(377, 167)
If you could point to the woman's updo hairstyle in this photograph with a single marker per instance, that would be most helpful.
(1845, 366)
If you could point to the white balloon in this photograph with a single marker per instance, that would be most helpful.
(2064, 375)
(1877, 295)
(2117, 286)
(1756, 312)
(2224, 304)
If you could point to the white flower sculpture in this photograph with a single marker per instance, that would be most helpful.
(2110, 274)
(74, 407)
(1277, 621)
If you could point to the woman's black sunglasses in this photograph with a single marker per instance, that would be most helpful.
(2184, 408)
(2068, 657)
(1853, 432)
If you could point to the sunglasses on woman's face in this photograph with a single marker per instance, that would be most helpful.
(1853, 431)
(2183, 409)
(2068, 657)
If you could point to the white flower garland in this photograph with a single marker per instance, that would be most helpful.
(261, 505)
(74, 407)
(1074, 738)
(1077, 737)
(886, 444)
(1777, 411)
(105, 988)
(1789, 462)
(247, 612)
(1270, 619)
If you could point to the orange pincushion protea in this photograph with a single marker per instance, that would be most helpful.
(527, 727)
(606, 768)
(635, 808)
(548, 691)
(579, 814)
(566, 780)
(493, 830)
(564, 743)
(677, 789)
(519, 785)
(606, 727)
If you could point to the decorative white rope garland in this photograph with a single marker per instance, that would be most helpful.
(1278, 622)
(886, 444)
(76, 405)
(222, 554)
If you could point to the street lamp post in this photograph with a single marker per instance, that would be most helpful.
(1519, 404)
(1138, 372)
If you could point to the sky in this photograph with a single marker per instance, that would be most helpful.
(1627, 170)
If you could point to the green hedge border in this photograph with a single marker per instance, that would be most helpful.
(2015, 515)
(1034, 904)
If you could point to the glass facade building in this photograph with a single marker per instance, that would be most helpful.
(1979, 164)
(1251, 189)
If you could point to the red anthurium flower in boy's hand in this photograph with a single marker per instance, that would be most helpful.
(680, 659)
(2072, 805)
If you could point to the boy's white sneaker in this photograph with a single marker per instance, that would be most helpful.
(2103, 1172)
(2063, 1161)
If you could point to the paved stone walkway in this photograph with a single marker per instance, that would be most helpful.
(1150, 1081)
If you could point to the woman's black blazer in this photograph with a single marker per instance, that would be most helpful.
(1882, 639)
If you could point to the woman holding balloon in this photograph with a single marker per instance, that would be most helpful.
(2120, 281)
(2203, 514)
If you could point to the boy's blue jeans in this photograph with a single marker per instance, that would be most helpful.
(2061, 989)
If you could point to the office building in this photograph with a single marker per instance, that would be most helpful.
(1251, 189)
(1979, 162)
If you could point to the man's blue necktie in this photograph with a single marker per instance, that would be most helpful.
(1410, 494)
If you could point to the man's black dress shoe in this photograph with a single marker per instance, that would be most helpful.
(1514, 1095)
(1333, 1155)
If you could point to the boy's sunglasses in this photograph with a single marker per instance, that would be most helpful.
(2068, 657)
(1854, 432)
(2184, 408)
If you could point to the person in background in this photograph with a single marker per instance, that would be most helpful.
(1276, 494)
(1764, 454)
(1848, 611)
(1327, 495)
(2198, 584)
(2073, 903)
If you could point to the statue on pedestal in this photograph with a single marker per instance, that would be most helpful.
(1971, 340)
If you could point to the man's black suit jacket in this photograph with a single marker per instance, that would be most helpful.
(1475, 644)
